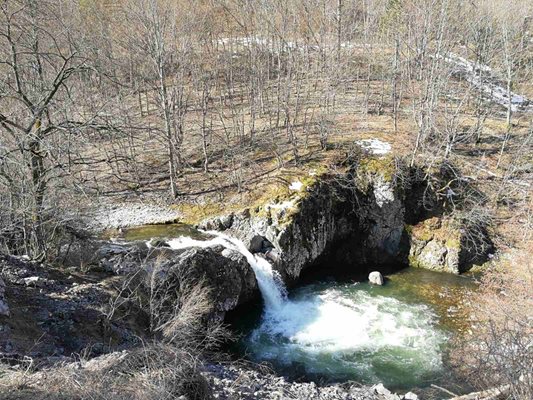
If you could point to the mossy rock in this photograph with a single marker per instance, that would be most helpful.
(436, 245)
(372, 167)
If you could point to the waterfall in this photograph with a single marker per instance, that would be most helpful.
(341, 330)
(270, 283)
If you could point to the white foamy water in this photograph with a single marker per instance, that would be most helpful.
(332, 321)
(346, 332)
(269, 282)
(339, 331)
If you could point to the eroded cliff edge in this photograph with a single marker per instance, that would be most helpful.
(370, 212)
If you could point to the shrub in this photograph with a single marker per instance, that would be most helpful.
(498, 352)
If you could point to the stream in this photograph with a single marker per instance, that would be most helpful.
(343, 329)
(336, 331)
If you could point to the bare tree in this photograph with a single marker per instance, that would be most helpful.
(40, 61)
(164, 37)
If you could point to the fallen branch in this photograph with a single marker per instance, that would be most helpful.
(490, 394)
(443, 389)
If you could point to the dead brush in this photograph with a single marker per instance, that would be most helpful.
(156, 371)
(497, 353)
(166, 367)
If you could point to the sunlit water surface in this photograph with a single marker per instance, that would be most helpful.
(395, 334)
(338, 331)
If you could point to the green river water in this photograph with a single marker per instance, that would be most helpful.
(340, 329)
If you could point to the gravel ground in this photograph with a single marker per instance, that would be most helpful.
(236, 382)
(122, 215)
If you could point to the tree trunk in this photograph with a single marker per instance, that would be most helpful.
(37, 244)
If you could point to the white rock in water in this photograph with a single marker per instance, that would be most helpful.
(410, 396)
(375, 278)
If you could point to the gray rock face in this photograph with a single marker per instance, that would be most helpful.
(225, 272)
(369, 225)
(259, 244)
(375, 278)
(436, 255)
(436, 244)
(117, 257)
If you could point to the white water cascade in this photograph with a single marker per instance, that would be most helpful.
(345, 331)
(269, 282)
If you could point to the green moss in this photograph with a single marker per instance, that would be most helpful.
(370, 167)
(194, 213)
(453, 243)
(146, 232)
(384, 166)
(258, 200)
(414, 262)
(423, 231)
(443, 230)
(280, 193)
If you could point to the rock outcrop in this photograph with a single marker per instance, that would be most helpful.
(225, 271)
(440, 244)
(355, 219)
(350, 219)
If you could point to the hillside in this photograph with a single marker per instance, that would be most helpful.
(168, 168)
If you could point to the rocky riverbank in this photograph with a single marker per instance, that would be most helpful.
(122, 215)
(240, 382)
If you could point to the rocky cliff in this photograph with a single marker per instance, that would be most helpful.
(355, 218)
(370, 215)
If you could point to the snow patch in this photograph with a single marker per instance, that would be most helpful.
(483, 78)
(375, 146)
(296, 185)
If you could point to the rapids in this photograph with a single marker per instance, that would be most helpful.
(349, 332)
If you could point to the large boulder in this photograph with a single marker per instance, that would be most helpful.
(445, 244)
(226, 274)
(118, 258)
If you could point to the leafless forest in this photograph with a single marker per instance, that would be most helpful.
(180, 99)
(208, 102)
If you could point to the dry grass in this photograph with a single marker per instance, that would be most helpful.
(166, 368)
(498, 351)
(156, 371)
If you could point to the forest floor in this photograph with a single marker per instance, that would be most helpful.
(266, 166)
